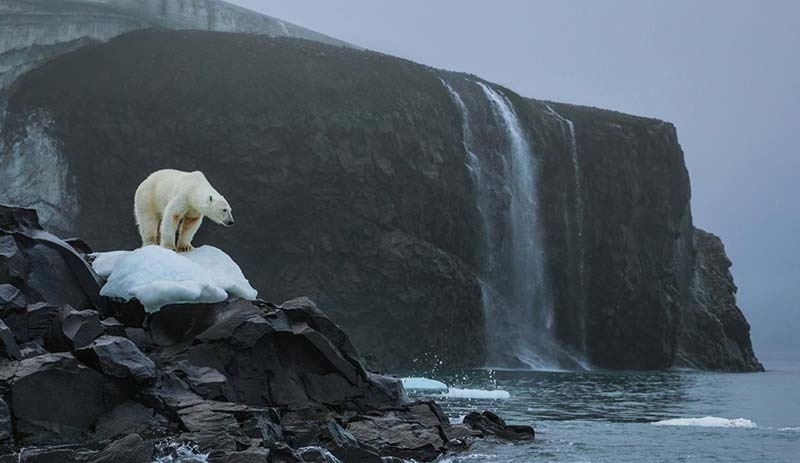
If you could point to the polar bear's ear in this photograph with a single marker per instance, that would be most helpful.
(211, 199)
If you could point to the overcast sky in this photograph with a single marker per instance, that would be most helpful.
(726, 73)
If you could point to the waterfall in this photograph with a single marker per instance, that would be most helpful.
(576, 241)
(517, 302)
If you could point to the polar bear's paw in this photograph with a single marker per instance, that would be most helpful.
(185, 248)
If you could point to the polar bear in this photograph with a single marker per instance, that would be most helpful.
(170, 199)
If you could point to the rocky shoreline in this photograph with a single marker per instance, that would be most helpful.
(88, 379)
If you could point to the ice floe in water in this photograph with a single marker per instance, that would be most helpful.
(456, 393)
(442, 390)
(417, 384)
(157, 276)
(708, 422)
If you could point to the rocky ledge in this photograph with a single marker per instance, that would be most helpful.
(88, 379)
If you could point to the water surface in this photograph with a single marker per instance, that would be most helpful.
(608, 416)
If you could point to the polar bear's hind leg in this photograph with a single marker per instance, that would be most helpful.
(148, 224)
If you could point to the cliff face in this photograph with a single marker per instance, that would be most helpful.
(353, 182)
(714, 333)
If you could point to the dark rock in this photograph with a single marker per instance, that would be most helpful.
(114, 327)
(80, 246)
(271, 360)
(714, 335)
(177, 323)
(130, 449)
(169, 395)
(316, 455)
(11, 297)
(13, 265)
(48, 455)
(492, 425)
(119, 358)
(247, 456)
(55, 399)
(34, 322)
(129, 313)
(8, 345)
(44, 267)
(125, 418)
(31, 349)
(78, 328)
(6, 431)
(211, 417)
(137, 335)
(265, 424)
(414, 431)
(207, 382)
(279, 452)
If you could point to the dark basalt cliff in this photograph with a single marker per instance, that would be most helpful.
(348, 175)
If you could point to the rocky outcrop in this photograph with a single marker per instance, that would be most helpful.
(714, 335)
(350, 174)
(237, 380)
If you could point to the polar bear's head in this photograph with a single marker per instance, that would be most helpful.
(217, 209)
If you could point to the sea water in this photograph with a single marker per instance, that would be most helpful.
(671, 416)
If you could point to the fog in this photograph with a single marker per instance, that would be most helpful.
(726, 73)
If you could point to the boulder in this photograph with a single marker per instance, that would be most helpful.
(56, 399)
(43, 267)
(176, 323)
(129, 449)
(77, 328)
(34, 322)
(127, 417)
(492, 425)
(207, 382)
(413, 431)
(257, 455)
(8, 345)
(274, 359)
(6, 430)
(11, 297)
(119, 358)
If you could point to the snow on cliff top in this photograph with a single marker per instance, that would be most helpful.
(157, 276)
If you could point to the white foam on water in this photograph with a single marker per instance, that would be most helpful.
(708, 422)
(456, 393)
(170, 451)
(790, 429)
(157, 276)
(420, 384)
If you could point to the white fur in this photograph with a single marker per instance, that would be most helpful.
(168, 199)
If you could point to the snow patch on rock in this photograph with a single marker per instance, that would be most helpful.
(157, 276)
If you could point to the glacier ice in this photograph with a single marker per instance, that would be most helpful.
(157, 276)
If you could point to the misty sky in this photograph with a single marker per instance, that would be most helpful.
(726, 73)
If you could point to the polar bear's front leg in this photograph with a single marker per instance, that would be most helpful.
(189, 227)
(169, 225)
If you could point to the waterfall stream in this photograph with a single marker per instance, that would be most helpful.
(576, 240)
(517, 302)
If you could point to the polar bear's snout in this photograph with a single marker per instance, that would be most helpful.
(228, 220)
